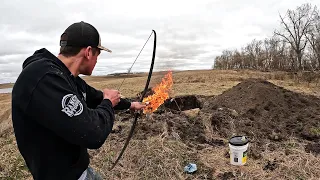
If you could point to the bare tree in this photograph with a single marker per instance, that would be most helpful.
(313, 38)
(224, 61)
(297, 23)
(254, 51)
(217, 63)
(269, 45)
(238, 59)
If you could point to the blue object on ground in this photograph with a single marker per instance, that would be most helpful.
(190, 168)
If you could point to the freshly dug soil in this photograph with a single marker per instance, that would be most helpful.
(260, 109)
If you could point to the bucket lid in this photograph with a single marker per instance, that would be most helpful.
(238, 140)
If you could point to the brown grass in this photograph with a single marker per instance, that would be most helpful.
(160, 157)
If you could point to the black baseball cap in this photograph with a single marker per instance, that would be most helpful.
(81, 34)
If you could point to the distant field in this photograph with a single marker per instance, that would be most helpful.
(6, 85)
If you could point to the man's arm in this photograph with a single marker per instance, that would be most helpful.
(123, 104)
(56, 106)
(94, 97)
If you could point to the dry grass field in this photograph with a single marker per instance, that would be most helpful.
(166, 142)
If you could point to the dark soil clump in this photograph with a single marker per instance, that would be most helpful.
(313, 148)
(271, 165)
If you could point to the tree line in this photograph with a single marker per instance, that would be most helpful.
(295, 46)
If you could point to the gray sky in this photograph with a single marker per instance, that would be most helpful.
(189, 33)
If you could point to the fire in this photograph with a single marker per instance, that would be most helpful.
(161, 93)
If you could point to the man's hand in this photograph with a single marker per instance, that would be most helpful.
(112, 95)
(137, 106)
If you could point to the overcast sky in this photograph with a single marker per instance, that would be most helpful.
(190, 33)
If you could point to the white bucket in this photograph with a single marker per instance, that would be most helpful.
(238, 150)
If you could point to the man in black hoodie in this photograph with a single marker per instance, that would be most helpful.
(56, 115)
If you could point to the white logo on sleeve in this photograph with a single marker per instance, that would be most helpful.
(71, 105)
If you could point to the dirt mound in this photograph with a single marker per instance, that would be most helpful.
(260, 109)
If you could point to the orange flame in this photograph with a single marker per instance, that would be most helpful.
(161, 93)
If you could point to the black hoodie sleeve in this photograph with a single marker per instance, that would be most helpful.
(57, 107)
(123, 104)
(94, 97)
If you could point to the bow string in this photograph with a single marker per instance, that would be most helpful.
(142, 96)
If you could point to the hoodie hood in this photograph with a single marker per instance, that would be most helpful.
(41, 54)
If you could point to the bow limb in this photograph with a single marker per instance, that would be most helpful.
(142, 96)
